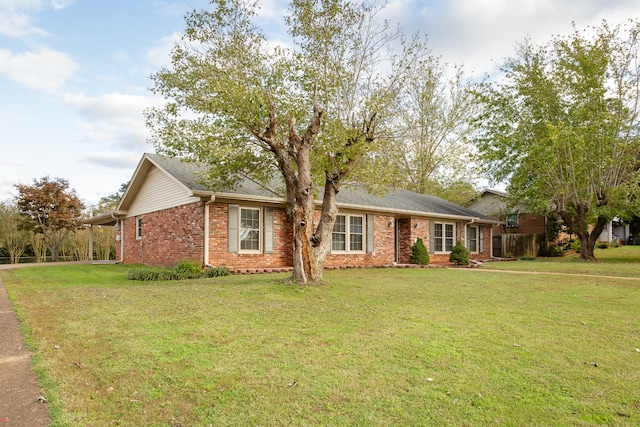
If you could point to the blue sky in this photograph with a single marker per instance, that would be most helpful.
(74, 74)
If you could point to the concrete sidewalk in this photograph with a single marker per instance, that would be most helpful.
(20, 403)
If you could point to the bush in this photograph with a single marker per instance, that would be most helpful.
(527, 258)
(459, 254)
(419, 253)
(148, 274)
(189, 267)
(185, 270)
(216, 272)
(602, 245)
(575, 245)
(551, 251)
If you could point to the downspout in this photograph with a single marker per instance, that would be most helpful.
(120, 229)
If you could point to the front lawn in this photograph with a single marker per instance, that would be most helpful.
(436, 347)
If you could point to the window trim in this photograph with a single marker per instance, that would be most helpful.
(477, 239)
(260, 229)
(139, 228)
(514, 222)
(443, 238)
(348, 233)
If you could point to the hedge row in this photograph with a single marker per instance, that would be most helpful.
(156, 274)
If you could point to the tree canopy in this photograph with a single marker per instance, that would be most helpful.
(431, 151)
(51, 208)
(311, 108)
(562, 127)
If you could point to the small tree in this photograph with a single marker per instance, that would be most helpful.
(50, 208)
(459, 254)
(12, 238)
(419, 253)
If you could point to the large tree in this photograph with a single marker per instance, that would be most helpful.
(311, 108)
(51, 208)
(562, 126)
(432, 151)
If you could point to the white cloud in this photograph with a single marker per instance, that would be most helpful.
(113, 160)
(43, 69)
(17, 17)
(480, 34)
(61, 4)
(115, 120)
(158, 56)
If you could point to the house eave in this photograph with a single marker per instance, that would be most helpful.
(405, 212)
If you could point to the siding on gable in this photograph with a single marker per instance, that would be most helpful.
(159, 192)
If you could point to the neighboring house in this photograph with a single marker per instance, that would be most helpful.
(619, 232)
(166, 215)
(512, 221)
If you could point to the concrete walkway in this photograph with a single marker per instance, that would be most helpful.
(20, 393)
(21, 400)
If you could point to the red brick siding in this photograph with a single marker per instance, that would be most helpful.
(408, 233)
(383, 253)
(168, 236)
(178, 233)
(219, 254)
(528, 223)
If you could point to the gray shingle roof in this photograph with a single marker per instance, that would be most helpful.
(398, 200)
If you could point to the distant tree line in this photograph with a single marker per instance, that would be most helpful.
(44, 222)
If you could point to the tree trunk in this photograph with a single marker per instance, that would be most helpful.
(578, 223)
(312, 242)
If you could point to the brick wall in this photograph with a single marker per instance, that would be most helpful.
(282, 255)
(168, 236)
(178, 233)
(528, 223)
(383, 253)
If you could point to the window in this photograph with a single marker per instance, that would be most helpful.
(472, 239)
(512, 220)
(339, 234)
(443, 236)
(138, 227)
(356, 233)
(348, 234)
(250, 229)
(437, 237)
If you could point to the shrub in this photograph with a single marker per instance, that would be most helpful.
(459, 254)
(185, 270)
(216, 272)
(527, 258)
(602, 245)
(575, 245)
(551, 251)
(189, 266)
(147, 274)
(419, 253)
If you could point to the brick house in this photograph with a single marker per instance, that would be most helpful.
(167, 215)
(514, 222)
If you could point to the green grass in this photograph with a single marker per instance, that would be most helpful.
(621, 261)
(433, 347)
